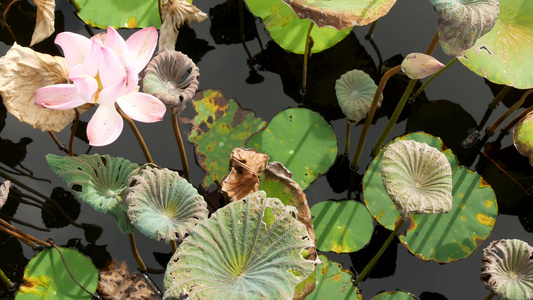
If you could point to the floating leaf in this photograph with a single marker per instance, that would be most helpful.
(119, 13)
(341, 14)
(235, 253)
(508, 269)
(523, 137)
(162, 205)
(332, 282)
(165, 79)
(218, 127)
(243, 179)
(355, 92)
(397, 295)
(440, 237)
(341, 226)
(289, 31)
(301, 140)
(46, 277)
(118, 283)
(462, 22)
(24, 71)
(99, 181)
(503, 55)
(417, 177)
(174, 14)
(44, 24)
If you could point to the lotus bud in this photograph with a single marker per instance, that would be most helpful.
(420, 65)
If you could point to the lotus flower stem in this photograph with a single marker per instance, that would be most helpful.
(58, 143)
(308, 46)
(512, 109)
(347, 143)
(433, 44)
(173, 246)
(489, 296)
(6, 280)
(368, 35)
(138, 259)
(511, 124)
(376, 257)
(371, 112)
(394, 117)
(5, 22)
(31, 190)
(419, 91)
(137, 134)
(181, 147)
(72, 132)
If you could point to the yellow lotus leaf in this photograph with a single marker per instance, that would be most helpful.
(24, 71)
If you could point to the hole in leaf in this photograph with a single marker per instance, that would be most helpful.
(77, 187)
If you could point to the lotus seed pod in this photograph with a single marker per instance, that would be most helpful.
(420, 65)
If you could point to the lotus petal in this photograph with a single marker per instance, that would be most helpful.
(166, 78)
(462, 22)
(417, 177)
(162, 205)
(340, 14)
(240, 253)
(355, 92)
(508, 269)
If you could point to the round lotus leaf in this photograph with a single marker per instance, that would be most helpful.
(162, 205)
(523, 137)
(397, 295)
(417, 177)
(508, 269)
(341, 14)
(503, 55)
(289, 31)
(440, 237)
(119, 13)
(341, 226)
(99, 181)
(332, 282)
(462, 22)
(301, 140)
(236, 254)
(355, 92)
(45, 276)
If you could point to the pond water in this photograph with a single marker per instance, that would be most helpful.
(408, 28)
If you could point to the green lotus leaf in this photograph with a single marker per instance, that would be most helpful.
(397, 295)
(503, 55)
(218, 127)
(99, 181)
(341, 14)
(439, 237)
(45, 276)
(301, 140)
(508, 269)
(289, 31)
(237, 254)
(162, 205)
(355, 92)
(417, 177)
(523, 137)
(332, 282)
(462, 22)
(341, 226)
(119, 13)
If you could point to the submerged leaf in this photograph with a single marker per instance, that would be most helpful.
(162, 205)
(118, 283)
(44, 25)
(355, 92)
(24, 71)
(508, 269)
(236, 253)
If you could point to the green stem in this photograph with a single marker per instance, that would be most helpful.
(137, 134)
(138, 259)
(394, 117)
(509, 111)
(181, 147)
(489, 296)
(368, 35)
(307, 53)
(6, 280)
(371, 112)
(347, 142)
(503, 92)
(419, 91)
(376, 257)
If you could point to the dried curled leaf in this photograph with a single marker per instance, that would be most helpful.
(118, 283)
(44, 24)
(4, 190)
(243, 179)
(24, 71)
(174, 13)
(508, 269)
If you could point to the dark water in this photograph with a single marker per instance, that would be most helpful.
(407, 28)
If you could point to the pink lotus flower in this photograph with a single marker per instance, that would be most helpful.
(104, 73)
